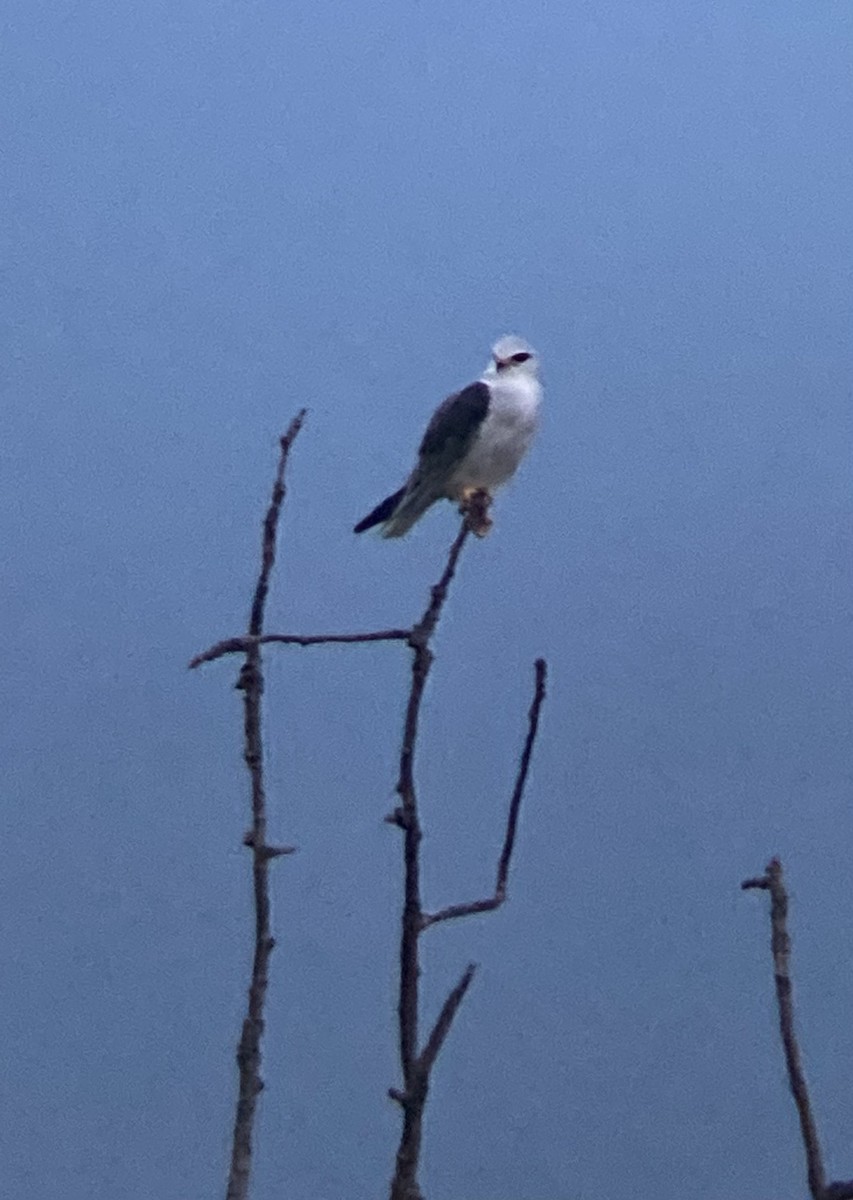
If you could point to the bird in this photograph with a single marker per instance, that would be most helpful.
(474, 442)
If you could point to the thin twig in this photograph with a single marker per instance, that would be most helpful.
(251, 682)
(444, 1020)
(240, 645)
(490, 903)
(780, 939)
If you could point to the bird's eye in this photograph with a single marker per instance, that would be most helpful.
(521, 357)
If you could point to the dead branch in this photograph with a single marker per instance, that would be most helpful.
(490, 903)
(416, 1066)
(444, 1020)
(251, 683)
(240, 645)
(407, 813)
(780, 944)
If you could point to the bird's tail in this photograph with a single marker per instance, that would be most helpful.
(381, 513)
(399, 512)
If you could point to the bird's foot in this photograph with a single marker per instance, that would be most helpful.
(474, 505)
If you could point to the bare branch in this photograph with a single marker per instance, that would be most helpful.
(843, 1190)
(773, 882)
(425, 628)
(404, 1185)
(445, 1019)
(251, 682)
(408, 813)
(490, 903)
(541, 673)
(417, 1067)
(240, 645)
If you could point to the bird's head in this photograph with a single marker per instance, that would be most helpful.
(511, 355)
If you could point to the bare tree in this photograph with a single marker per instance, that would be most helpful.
(416, 1060)
(773, 882)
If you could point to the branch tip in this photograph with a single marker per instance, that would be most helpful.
(445, 1019)
(780, 947)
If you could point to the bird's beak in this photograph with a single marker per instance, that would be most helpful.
(501, 364)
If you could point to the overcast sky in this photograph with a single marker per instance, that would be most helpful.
(218, 212)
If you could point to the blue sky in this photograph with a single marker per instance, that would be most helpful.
(217, 213)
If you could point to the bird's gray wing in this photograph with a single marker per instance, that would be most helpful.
(452, 430)
(449, 436)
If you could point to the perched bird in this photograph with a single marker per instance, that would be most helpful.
(474, 442)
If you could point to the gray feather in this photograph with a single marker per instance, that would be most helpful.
(454, 425)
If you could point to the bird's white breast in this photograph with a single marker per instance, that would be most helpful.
(505, 434)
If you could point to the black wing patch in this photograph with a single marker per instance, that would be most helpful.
(455, 424)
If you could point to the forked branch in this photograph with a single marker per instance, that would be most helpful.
(416, 1065)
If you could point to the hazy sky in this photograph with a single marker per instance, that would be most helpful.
(218, 212)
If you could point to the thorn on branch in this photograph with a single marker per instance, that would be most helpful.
(276, 851)
(265, 851)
